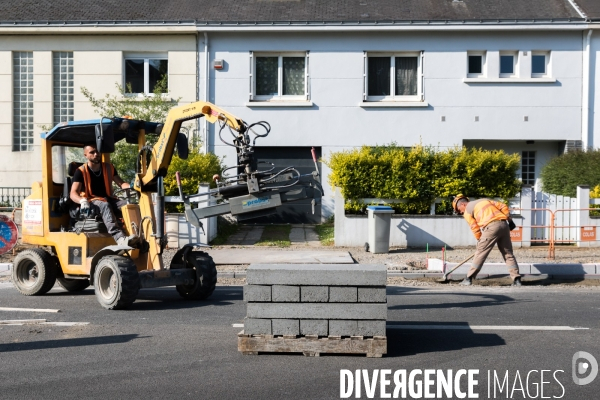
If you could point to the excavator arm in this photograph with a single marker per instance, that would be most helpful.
(163, 150)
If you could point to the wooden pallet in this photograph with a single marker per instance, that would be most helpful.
(312, 345)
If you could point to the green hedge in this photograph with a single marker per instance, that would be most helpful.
(198, 168)
(422, 174)
(562, 174)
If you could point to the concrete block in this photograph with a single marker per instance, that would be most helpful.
(317, 310)
(317, 274)
(343, 294)
(372, 295)
(371, 328)
(314, 327)
(285, 294)
(314, 294)
(343, 328)
(228, 274)
(257, 293)
(563, 269)
(253, 326)
(286, 326)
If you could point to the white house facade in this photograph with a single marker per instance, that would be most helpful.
(492, 74)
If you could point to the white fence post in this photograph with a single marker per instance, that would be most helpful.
(583, 216)
(526, 214)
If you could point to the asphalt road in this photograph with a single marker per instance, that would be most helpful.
(165, 347)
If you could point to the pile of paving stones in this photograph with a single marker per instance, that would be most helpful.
(316, 299)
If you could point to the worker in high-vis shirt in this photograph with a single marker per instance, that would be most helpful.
(491, 224)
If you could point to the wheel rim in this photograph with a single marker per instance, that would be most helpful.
(28, 273)
(107, 283)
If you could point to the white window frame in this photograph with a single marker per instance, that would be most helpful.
(279, 96)
(482, 54)
(546, 54)
(515, 56)
(146, 57)
(420, 96)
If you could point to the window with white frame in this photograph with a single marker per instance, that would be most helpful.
(279, 76)
(508, 64)
(62, 71)
(22, 101)
(540, 63)
(143, 72)
(393, 77)
(528, 167)
(475, 64)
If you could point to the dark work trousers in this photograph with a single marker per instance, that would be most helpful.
(105, 209)
(496, 232)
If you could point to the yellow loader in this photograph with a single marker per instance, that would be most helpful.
(79, 252)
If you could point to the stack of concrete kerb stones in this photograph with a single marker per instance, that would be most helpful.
(314, 309)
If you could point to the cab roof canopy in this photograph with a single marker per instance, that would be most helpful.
(80, 133)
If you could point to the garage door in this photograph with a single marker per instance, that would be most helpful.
(298, 212)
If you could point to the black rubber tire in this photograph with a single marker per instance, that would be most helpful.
(206, 275)
(116, 282)
(34, 272)
(73, 285)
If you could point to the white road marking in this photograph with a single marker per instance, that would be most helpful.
(19, 322)
(238, 325)
(47, 310)
(488, 327)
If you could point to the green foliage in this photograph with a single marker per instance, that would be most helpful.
(198, 168)
(562, 174)
(420, 174)
(148, 107)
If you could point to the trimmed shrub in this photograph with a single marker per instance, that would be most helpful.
(198, 168)
(421, 174)
(562, 174)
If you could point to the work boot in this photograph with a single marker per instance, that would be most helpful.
(131, 240)
(467, 282)
(517, 282)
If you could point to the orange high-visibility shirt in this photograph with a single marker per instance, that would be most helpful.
(479, 213)
(108, 171)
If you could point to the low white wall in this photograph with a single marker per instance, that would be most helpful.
(440, 230)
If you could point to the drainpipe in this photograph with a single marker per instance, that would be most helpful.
(206, 81)
(585, 106)
(197, 79)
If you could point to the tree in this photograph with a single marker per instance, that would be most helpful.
(562, 174)
(147, 107)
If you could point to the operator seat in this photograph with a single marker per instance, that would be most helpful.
(65, 201)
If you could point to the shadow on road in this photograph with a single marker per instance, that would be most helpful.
(471, 300)
(73, 342)
(411, 342)
(169, 299)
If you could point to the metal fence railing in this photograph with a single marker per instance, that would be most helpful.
(13, 196)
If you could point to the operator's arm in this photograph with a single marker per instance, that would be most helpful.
(76, 187)
(473, 225)
(120, 182)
